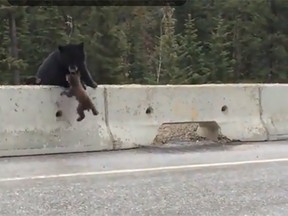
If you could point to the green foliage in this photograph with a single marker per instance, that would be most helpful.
(191, 55)
(199, 42)
(219, 61)
(168, 67)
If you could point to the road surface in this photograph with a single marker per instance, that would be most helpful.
(248, 179)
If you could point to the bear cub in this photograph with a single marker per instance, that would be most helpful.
(76, 89)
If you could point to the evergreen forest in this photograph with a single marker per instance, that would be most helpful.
(202, 41)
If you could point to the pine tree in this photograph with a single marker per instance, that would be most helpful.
(140, 34)
(168, 71)
(191, 55)
(10, 60)
(219, 59)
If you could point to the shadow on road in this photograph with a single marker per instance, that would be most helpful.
(177, 147)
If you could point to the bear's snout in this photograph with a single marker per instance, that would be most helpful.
(72, 69)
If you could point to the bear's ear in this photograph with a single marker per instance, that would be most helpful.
(60, 48)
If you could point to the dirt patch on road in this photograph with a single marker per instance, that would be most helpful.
(181, 132)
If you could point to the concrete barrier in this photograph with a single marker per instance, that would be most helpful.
(136, 112)
(29, 124)
(274, 110)
(130, 115)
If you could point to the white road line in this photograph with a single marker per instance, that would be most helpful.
(153, 169)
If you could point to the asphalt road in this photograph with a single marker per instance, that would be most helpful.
(250, 179)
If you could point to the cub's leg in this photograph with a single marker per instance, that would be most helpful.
(94, 110)
(80, 112)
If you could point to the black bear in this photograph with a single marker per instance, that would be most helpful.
(76, 89)
(64, 60)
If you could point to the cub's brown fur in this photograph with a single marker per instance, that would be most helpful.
(76, 89)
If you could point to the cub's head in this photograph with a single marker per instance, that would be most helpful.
(72, 56)
(73, 78)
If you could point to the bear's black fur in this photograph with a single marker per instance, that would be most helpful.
(62, 61)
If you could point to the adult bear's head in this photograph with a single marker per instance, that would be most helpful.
(72, 56)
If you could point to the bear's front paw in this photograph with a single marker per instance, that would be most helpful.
(94, 85)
